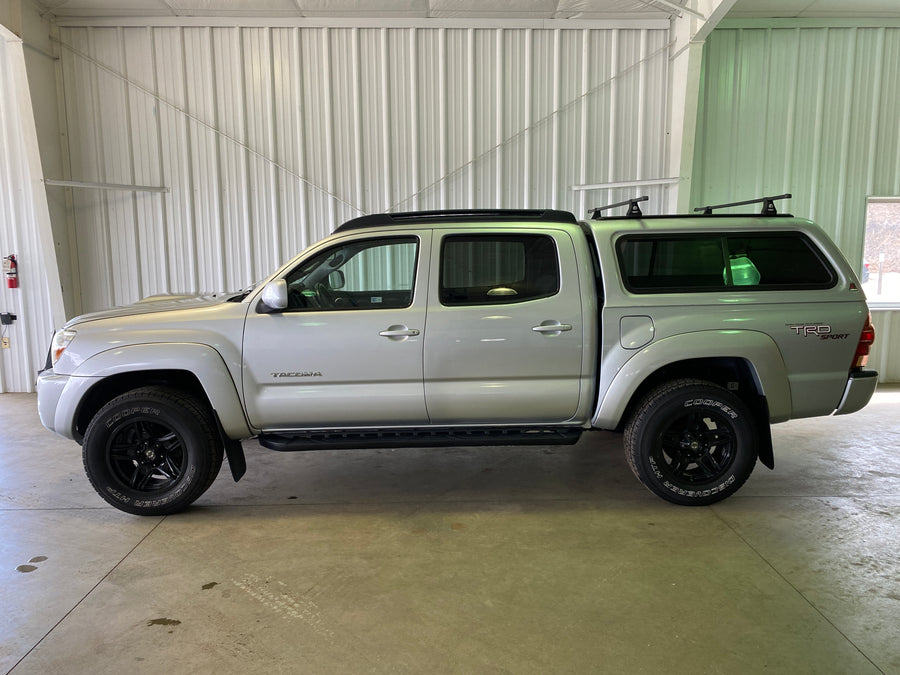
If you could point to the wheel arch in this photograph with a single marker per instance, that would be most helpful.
(747, 362)
(195, 368)
(115, 385)
(108, 388)
(736, 375)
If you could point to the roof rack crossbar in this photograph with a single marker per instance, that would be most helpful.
(634, 211)
(768, 205)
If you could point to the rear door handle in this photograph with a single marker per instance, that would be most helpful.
(552, 327)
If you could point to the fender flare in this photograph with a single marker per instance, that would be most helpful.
(756, 348)
(201, 360)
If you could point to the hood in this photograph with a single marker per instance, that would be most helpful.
(155, 303)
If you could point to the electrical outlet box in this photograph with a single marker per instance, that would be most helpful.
(4, 343)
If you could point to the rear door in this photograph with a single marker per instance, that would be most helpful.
(505, 330)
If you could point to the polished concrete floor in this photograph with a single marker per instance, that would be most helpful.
(489, 560)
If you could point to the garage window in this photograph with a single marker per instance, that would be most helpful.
(880, 271)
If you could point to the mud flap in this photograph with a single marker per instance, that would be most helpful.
(234, 451)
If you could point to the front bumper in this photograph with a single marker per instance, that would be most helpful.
(49, 390)
(58, 400)
(858, 392)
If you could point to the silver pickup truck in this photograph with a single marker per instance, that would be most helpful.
(690, 334)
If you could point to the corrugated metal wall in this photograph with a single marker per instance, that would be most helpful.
(267, 138)
(885, 357)
(24, 230)
(810, 110)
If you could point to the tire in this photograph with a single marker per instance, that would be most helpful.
(691, 442)
(152, 451)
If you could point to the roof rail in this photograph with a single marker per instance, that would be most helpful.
(634, 211)
(458, 216)
(768, 208)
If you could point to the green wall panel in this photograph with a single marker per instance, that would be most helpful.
(811, 110)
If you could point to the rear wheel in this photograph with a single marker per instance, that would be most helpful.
(691, 442)
(152, 451)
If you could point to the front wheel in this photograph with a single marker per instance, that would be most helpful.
(151, 451)
(691, 442)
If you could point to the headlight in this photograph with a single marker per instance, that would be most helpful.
(60, 341)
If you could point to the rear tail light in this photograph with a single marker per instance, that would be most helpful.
(866, 338)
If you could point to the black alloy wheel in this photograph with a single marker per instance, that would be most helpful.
(691, 442)
(696, 448)
(146, 456)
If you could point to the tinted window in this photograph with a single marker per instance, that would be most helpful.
(497, 269)
(373, 274)
(776, 261)
(656, 264)
(781, 260)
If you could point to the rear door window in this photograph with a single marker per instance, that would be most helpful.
(498, 269)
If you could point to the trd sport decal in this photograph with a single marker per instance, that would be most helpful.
(819, 330)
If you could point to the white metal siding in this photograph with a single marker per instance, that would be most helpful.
(24, 230)
(268, 138)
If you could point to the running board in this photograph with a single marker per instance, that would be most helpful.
(343, 439)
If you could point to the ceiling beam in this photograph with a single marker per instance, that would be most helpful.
(680, 8)
(717, 11)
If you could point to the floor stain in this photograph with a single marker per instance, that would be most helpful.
(164, 622)
(457, 526)
(25, 569)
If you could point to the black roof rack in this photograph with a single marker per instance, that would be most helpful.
(458, 216)
(634, 211)
(768, 208)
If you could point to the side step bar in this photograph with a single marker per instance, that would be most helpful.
(344, 439)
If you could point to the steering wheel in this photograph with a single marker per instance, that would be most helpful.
(324, 296)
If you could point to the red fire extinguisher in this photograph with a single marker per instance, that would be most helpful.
(12, 271)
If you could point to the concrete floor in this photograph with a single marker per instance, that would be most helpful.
(494, 560)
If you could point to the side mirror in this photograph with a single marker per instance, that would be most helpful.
(274, 297)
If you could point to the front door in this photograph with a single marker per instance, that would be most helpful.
(348, 349)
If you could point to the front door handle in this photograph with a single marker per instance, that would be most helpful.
(399, 332)
(551, 327)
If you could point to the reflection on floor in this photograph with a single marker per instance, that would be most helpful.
(481, 560)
